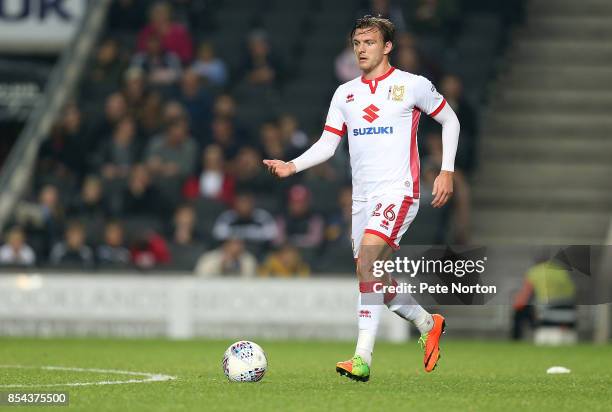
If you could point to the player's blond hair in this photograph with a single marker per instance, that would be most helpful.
(386, 27)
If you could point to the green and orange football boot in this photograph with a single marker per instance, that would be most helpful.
(430, 342)
(356, 369)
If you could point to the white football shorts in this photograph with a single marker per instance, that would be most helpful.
(387, 216)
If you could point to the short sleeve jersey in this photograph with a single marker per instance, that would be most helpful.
(380, 118)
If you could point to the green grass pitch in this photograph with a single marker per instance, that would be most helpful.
(471, 376)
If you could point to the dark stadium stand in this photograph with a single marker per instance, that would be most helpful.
(280, 59)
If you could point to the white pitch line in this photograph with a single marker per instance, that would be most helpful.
(149, 377)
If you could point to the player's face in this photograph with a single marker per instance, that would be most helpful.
(370, 48)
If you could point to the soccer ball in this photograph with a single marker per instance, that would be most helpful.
(244, 361)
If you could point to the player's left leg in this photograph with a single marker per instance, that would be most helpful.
(394, 223)
(391, 218)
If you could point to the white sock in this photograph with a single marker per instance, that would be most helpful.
(369, 309)
(365, 345)
(405, 306)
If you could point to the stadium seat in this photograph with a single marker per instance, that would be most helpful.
(185, 257)
(336, 260)
(484, 23)
(340, 8)
(270, 203)
(303, 6)
(229, 18)
(136, 226)
(207, 211)
(306, 91)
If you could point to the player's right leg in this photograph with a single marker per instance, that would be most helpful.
(370, 304)
(366, 248)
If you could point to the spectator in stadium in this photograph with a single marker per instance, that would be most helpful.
(171, 158)
(105, 72)
(149, 250)
(161, 68)
(405, 39)
(174, 36)
(224, 107)
(150, 119)
(69, 147)
(112, 252)
(271, 141)
(115, 109)
(16, 252)
(185, 241)
(389, 10)
(174, 110)
(547, 301)
(435, 16)
(51, 165)
(172, 154)
(452, 89)
(261, 67)
(295, 139)
(346, 66)
(248, 173)
(408, 59)
(135, 89)
(73, 251)
(183, 230)
(285, 262)
(90, 205)
(140, 197)
(230, 259)
(411, 60)
(224, 135)
(210, 67)
(213, 182)
(338, 228)
(197, 102)
(299, 226)
(244, 221)
(121, 153)
(43, 220)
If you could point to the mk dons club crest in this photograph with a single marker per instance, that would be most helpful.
(398, 93)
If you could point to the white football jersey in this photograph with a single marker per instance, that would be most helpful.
(380, 118)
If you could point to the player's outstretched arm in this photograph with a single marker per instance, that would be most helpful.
(443, 184)
(323, 149)
(279, 168)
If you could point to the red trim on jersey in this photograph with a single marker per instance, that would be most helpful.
(415, 164)
(435, 112)
(379, 78)
(374, 82)
(335, 131)
(383, 237)
(401, 216)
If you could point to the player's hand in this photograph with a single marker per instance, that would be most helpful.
(279, 168)
(442, 188)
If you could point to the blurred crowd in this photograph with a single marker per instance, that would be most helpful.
(151, 165)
